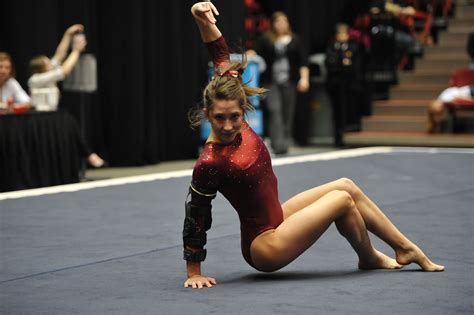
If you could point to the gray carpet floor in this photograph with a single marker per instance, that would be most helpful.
(118, 250)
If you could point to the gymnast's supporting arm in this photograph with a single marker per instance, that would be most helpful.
(198, 220)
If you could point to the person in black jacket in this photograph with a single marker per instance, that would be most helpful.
(287, 72)
(345, 82)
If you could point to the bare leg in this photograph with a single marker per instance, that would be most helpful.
(375, 221)
(436, 115)
(275, 249)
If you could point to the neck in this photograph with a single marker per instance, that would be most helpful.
(212, 137)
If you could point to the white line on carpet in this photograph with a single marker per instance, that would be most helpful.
(183, 173)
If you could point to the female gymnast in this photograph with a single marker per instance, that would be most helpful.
(236, 163)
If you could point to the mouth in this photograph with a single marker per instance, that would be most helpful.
(228, 134)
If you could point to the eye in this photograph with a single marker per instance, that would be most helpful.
(235, 116)
(219, 117)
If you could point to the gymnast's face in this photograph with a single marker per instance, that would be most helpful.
(226, 118)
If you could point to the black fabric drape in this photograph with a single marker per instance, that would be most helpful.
(38, 150)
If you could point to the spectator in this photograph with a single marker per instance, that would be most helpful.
(462, 88)
(345, 82)
(46, 73)
(12, 95)
(385, 15)
(437, 107)
(287, 72)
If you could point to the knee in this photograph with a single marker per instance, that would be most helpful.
(344, 199)
(349, 186)
(436, 107)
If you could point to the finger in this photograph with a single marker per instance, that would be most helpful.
(203, 16)
(202, 19)
(210, 17)
(208, 284)
(212, 280)
(213, 7)
(194, 285)
(199, 285)
(186, 284)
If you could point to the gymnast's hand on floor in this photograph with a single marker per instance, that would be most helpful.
(198, 282)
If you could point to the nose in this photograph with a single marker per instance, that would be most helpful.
(228, 125)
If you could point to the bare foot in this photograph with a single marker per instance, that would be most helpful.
(95, 160)
(379, 261)
(416, 255)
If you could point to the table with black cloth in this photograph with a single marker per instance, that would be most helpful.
(38, 149)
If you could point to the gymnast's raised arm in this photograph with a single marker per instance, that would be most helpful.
(204, 14)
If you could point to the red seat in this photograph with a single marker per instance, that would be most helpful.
(462, 77)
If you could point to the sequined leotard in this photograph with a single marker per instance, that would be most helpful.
(242, 172)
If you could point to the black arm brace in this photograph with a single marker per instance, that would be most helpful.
(194, 233)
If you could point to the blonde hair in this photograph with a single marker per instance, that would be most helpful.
(37, 64)
(225, 85)
(271, 33)
(4, 56)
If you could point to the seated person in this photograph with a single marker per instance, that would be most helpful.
(437, 110)
(46, 73)
(12, 95)
(462, 83)
(386, 15)
(397, 9)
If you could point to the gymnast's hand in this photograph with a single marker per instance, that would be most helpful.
(198, 282)
(204, 12)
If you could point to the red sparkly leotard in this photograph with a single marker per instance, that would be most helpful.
(242, 172)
